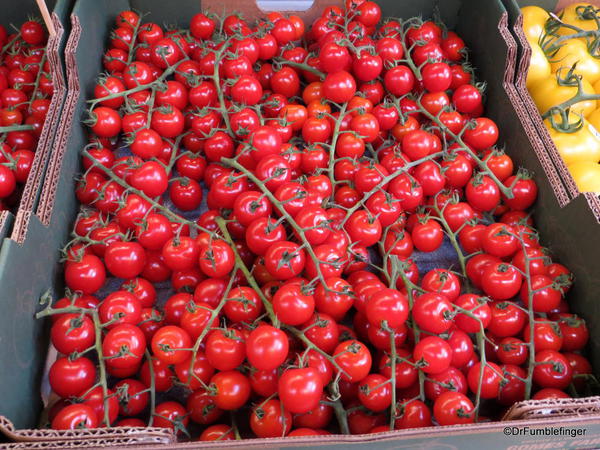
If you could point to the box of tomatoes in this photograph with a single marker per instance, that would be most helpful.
(296, 229)
(33, 90)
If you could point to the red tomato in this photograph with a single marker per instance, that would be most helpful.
(300, 390)
(230, 389)
(267, 347)
(432, 354)
(75, 416)
(501, 281)
(552, 370)
(293, 304)
(387, 306)
(270, 419)
(374, 392)
(339, 86)
(69, 378)
(453, 408)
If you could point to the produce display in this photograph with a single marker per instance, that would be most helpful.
(294, 229)
(564, 82)
(25, 94)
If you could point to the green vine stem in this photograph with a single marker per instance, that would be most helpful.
(393, 357)
(155, 205)
(98, 328)
(290, 220)
(452, 236)
(530, 315)
(240, 265)
(398, 267)
(152, 387)
(332, 145)
(301, 66)
(10, 43)
(550, 41)
(458, 138)
(23, 127)
(386, 180)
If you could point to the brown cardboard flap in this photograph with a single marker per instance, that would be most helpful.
(48, 195)
(557, 407)
(82, 436)
(511, 52)
(251, 11)
(133, 440)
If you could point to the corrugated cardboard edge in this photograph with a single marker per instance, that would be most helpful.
(4, 218)
(558, 407)
(523, 64)
(594, 203)
(82, 437)
(91, 443)
(511, 54)
(528, 113)
(46, 142)
(47, 197)
(534, 118)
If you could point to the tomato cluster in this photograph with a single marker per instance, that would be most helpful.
(264, 229)
(25, 94)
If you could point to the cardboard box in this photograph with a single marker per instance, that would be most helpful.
(484, 26)
(23, 342)
(576, 219)
(55, 49)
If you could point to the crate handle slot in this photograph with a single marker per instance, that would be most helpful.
(252, 11)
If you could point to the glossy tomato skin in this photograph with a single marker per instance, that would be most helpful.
(300, 390)
(433, 354)
(136, 399)
(354, 358)
(292, 305)
(75, 416)
(270, 419)
(70, 378)
(552, 370)
(501, 281)
(374, 392)
(225, 349)
(202, 408)
(72, 332)
(86, 276)
(389, 306)
(201, 371)
(453, 408)
(413, 414)
(168, 414)
(167, 341)
(267, 347)
(124, 335)
(230, 389)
